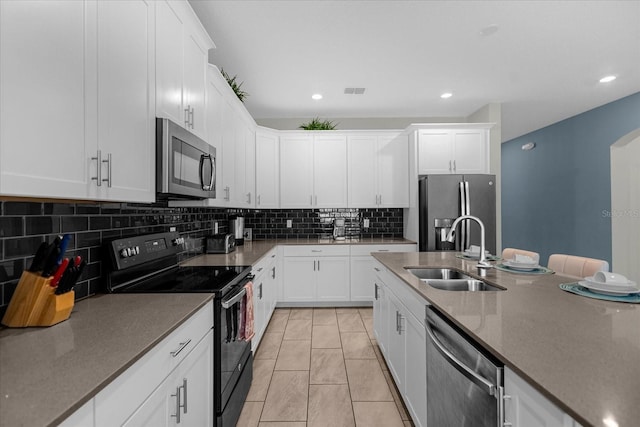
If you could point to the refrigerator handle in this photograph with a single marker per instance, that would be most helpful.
(463, 211)
(468, 204)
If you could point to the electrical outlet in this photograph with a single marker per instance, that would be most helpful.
(366, 223)
(289, 223)
(172, 229)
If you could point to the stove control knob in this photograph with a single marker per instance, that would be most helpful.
(124, 253)
(137, 249)
(130, 251)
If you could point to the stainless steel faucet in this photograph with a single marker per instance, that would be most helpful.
(482, 261)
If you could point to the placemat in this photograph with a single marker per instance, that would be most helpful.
(537, 270)
(575, 288)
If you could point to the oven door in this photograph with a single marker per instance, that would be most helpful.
(234, 356)
(187, 164)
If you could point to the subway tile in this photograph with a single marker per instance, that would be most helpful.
(59, 209)
(22, 208)
(11, 270)
(42, 224)
(99, 222)
(74, 223)
(21, 247)
(84, 240)
(11, 226)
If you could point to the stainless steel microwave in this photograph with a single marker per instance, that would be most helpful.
(185, 164)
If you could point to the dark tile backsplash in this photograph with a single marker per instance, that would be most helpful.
(24, 225)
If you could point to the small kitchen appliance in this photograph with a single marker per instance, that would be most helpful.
(220, 244)
(236, 227)
(339, 229)
(149, 264)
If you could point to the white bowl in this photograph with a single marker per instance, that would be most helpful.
(610, 279)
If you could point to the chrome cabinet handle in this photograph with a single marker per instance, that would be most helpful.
(376, 269)
(191, 117)
(318, 265)
(249, 198)
(258, 200)
(108, 162)
(227, 191)
(375, 291)
(502, 415)
(458, 365)
(184, 393)
(178, 406)
(98, 177)
(181, 347)
(397, 320)
(273, 273)
(314, 265)
(316, 250)
(260, 291)
(311, 200)
(186, 117)
(454, 165)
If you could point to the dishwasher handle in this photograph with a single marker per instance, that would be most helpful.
(460, 367)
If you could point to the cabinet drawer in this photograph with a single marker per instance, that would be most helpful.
(264, 263)
(128, 391)
(357, 250)
(316, 250)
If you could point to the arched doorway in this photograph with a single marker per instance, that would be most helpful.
(625, 205)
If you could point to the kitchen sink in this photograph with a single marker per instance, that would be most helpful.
(437, 273)
(451, 280)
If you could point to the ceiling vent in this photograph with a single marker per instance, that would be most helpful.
(353, 90)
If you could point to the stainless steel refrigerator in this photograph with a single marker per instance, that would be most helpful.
(443, 198)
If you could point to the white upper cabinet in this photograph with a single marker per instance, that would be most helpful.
(126, 71)
(313, 171)
(182, 48)
(44, 144)
(378, 170)
(296, 171)
(267, 169)
(94, 135)
(453, 149)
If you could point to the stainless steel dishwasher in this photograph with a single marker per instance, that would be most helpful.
(464, 383)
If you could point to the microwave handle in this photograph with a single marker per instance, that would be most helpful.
(208, 187)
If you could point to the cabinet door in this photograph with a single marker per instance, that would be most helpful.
(416, 370)
(296, 171)
(330, 171)
(527, 407)
(396, 348)
(381, 314)
(362, 278)
(196, 58)
(227, 157)
(434, 152)
(157, 410)
(267, 168)
(259, 309)
(299, 278)
(393, 171)
(362, 166)
(45, 146)
(245, 166)
(126, 87)
(470, 152)
(195, 375)
(169, 62)
(239, 193)
(333, 279)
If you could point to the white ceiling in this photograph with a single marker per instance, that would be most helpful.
(543, 64)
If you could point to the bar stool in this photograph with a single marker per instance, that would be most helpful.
(510, 253)
(576, 266)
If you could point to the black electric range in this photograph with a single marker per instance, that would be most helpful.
(149, 264)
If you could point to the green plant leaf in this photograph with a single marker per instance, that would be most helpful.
(235, 86)
(317, 124)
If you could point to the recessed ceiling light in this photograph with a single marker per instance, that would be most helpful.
(316, 96)
(446, 95)
(607, 79)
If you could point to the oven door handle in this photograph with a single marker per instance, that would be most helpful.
(229, 302)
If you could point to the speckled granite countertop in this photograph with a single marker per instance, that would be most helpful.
(252, 251)
(48, 373)
(583, 354)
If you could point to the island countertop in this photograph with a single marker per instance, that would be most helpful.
(582, 354)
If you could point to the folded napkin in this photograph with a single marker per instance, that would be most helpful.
(524, 259)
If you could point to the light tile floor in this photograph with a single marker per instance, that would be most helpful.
(321, 367)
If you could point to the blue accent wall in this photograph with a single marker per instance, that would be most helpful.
(555, 198)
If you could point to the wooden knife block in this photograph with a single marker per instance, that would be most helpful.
(34, 303)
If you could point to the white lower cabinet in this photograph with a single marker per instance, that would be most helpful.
(83, 417)
(175, 377)
(526, 407)
(362, 273)
(402, 340)
(185, 397)
(316, 273)
(264, 294)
